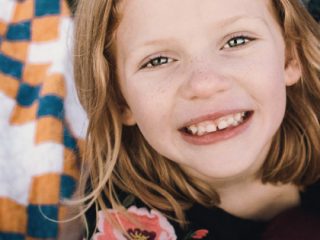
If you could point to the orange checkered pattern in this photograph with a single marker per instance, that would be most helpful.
(41, 122)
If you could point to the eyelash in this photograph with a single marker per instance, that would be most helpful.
(245, 39)
(159, 59)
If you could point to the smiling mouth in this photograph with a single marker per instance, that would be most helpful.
(219, 125)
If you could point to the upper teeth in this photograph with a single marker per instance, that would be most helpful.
(214, 125)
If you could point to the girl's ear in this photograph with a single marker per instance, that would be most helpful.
(127, 117)
(292, 72)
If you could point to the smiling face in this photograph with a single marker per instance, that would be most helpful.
(205, 81)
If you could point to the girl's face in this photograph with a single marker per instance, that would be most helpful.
(205, 81)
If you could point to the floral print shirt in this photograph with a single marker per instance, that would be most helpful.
(158, 227)
(141, 223)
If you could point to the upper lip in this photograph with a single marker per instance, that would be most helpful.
(211, 117)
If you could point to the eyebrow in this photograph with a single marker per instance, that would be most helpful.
(221, 24)
(236, 18)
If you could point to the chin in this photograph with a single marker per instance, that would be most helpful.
(234, 171)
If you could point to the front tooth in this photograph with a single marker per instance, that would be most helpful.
(235, 123)
(201, 130)
(222, 124)
(193, 129)
(211, 128)
(238, 117)
(230, 120)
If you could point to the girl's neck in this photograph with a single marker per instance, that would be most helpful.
(257, 201)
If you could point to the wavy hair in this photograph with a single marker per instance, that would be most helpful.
(119, 157)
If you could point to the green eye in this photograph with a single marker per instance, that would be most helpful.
(156, 62)
(237, 41)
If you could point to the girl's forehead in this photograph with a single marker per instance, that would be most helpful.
(153, 14)
(151, 10)
(140, 19)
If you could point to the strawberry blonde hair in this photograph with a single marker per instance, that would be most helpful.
(118, 157)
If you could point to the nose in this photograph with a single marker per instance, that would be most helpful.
(205, 79)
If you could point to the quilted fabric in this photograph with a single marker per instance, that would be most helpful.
(41, 122)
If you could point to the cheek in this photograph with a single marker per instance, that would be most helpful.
(264, 79)
(149, 110)
(267, 77)
(149, 99)
(153, 115)
(272, 97)
(274, 87)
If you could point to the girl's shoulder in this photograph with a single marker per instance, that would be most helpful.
(310, 198)
(302, 222)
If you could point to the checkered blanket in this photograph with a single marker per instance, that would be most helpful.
(41, 121)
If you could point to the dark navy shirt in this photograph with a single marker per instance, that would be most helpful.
(299, 223)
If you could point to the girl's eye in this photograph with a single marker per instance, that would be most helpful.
(156, 62)
(237, 41)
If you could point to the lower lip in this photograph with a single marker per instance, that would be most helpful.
(219, 135)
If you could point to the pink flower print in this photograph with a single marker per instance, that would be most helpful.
(200, 234)
(138, 234)
(146, 225)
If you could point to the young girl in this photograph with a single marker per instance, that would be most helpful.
(204, 118)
